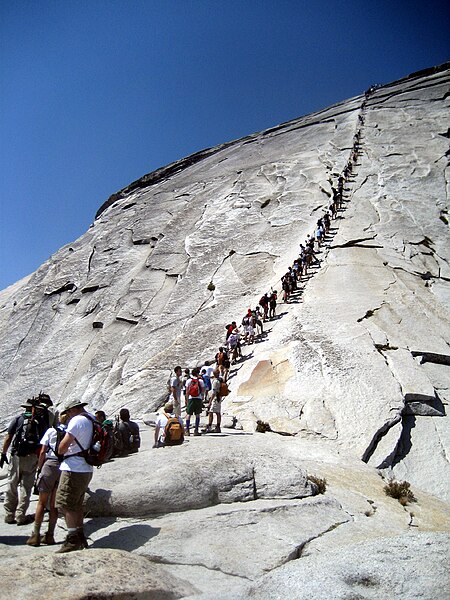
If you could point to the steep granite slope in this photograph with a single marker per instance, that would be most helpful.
(356, 368)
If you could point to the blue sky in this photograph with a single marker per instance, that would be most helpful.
(94, 94)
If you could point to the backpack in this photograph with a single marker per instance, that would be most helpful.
(173, 431)
(263, 301)
(194, 389)
(27, 437)
(60, 433)
(134, 440)
(96, 454)
(224, 389)
(117, 440)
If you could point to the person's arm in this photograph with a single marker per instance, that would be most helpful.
(7, 442)
(65, 443)
(42, 457)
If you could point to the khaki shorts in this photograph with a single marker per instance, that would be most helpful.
(71, 490)
(49, 477)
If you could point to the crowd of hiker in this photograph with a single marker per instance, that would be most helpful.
(55, 454)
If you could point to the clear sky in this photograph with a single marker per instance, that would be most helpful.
(96, 93)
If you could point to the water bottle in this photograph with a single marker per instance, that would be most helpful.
(96, 447)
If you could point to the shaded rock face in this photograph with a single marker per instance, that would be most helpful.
(354, 370)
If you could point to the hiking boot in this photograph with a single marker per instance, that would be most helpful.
(34, 540)
(206, 429)
(25, 520)
(217, 429)
(72, 542)
(48, 539)
(10, 519)
(187, 432)
(83, 538)
(196, 432)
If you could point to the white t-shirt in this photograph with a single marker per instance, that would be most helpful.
(176, 383)
(81, 428)
(162, 422)
(209, 370)
(49, 440)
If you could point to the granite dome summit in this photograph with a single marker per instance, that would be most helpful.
(357, 372)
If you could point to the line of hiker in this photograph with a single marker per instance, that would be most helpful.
(56, 454)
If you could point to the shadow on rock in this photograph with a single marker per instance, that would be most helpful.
(13, 540)
(127, 538)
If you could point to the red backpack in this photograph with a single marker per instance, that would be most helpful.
(194, 388)
(99, 449)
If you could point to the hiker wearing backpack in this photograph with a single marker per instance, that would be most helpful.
(76, 474)
(215, 402)
(129, 432)
(23, 437)
(223, 362)
(169, 430)
(194, 394)
(48, 475)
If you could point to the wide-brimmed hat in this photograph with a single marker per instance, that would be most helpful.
(28, 404)
(75, 404)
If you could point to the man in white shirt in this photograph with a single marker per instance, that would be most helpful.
(76, 474)
(176, 385)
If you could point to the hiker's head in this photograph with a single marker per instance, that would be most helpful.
(195, 371)
(63, 417)
(177, 371)
(221, 349)
(44, 399)
(168, 407)
(216, 373)
(75, 408)
(100, 415)
(124, 414)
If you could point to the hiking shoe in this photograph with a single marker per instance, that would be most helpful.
(197, 433)
(187, 432)
(217, 429)
(34, 540)
(48, 539)
(10, 519)
(83, 538)
(72, 542)
(25, 520)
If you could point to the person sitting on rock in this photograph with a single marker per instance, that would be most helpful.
(161, 429)
(129, 431)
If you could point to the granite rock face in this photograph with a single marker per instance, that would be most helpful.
(354, 371)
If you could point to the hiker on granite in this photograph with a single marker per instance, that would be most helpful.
(223, 362)
(194, 395)
(129, 432)
(176, 386)
(214, 404)
(169, 430)
(24, 434)
(264, 303)
(272, 304)
(76, 475)
(184, 380)
(47, 483)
